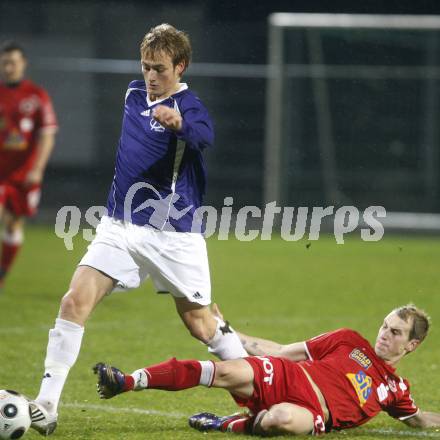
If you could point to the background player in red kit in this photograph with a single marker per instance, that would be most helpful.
(27, 133)
(334, 381)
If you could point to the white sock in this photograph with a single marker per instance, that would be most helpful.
(226, 344)
(62, 351)
(140, 378)
(208, 373)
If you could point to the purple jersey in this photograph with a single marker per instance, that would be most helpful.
(160, 175)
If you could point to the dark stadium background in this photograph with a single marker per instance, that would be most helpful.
(89, 105)
(281, 290)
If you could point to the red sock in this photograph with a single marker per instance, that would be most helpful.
(9, 252)
(239, 423)
(129, 383)
(242, 423)
(174, 375)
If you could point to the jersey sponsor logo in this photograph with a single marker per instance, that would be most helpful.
(15, 141)
(156, 126)
(29, 105)
(146, 112)
(361, 358)
(268, 369)
(362, 385)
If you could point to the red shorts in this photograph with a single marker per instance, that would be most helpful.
(20, 201)
(279, 380)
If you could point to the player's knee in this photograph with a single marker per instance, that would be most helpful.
(74, 306)
(70, 304)
(277, 419)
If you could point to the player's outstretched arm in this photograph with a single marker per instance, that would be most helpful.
(424, 419)
(260, 347)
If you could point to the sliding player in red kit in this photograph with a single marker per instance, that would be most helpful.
(331, 382)
(27, 132)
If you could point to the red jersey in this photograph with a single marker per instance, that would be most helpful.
(354, 381)
(25, 110)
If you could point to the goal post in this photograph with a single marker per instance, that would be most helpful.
(303, 66)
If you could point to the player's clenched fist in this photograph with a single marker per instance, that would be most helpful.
(168, 117)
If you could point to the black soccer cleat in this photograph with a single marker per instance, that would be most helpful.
(211, 422)
(111, 381)
(206, 422)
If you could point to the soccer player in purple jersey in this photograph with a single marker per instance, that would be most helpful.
(158, 184)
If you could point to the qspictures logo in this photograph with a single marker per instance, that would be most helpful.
(245, 223)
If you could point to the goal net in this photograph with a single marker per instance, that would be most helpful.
(353, 111)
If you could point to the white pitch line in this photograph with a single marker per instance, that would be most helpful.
(117, 409)
(176, 415)
(396, 432)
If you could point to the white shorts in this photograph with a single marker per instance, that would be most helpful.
(176, 261)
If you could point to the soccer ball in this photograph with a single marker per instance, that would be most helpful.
(15, 417)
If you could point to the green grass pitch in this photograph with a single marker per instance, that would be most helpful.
(275, 289)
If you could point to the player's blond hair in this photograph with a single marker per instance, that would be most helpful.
(166, 38)
(420, 320)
